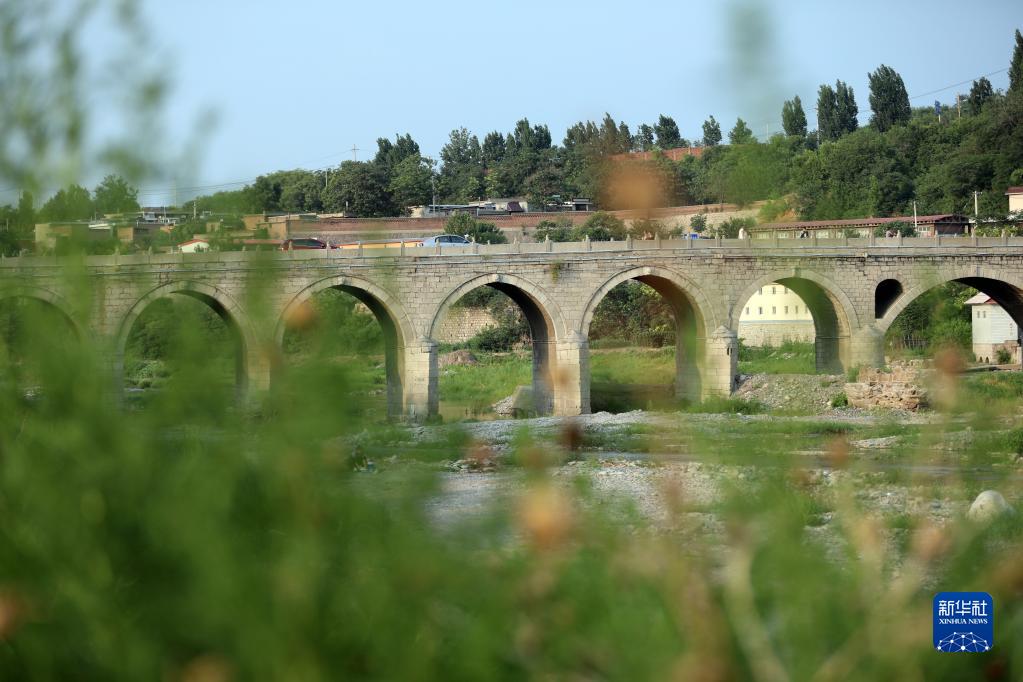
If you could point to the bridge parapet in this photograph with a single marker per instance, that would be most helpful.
(931, 246)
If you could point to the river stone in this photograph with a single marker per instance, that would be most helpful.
(988, 506)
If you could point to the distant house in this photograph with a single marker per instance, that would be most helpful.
(926, 225)
(1015, 195)
(993, 330)
(48, 234)
(773, 315)
(194, 246)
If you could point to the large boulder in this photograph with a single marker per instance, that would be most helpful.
(988, 506)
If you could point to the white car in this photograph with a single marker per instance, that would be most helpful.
(443, 240)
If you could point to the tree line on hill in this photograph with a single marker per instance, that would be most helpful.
(837, 170)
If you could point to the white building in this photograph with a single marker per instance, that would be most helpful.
(993, 330)
(773, 315)
(194, 246)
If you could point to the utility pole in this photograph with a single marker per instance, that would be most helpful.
(355, 153)
(959, 106)
(914, 217)
(976, 204)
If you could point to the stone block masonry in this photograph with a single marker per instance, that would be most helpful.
(847, 284)
(461, 324)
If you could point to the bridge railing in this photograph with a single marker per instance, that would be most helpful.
(809, 246)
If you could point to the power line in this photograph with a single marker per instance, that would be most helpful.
(956, 85)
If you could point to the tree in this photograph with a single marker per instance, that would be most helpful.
(461, 173)
(711, 132)
(846, 111)
(390, 155)
(793, 118)
(265, 194)
(115, 195)
(493, 150)
(668, 136)
(888, 98)
(25, 214)
(827, 105)
(71, 203)
(468, 226)
(1016, 66)
(980, 93)
(411, 183)
(644, 141)
(358, 187)
(836, 111)
(741, 134)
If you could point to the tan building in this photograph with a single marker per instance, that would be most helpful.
(47, 234)
(774, 315)
(1015, 195)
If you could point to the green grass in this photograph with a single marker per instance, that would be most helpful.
(789, 358)
(726, 406)
(633, 366)
(494, 378)
(998, 386)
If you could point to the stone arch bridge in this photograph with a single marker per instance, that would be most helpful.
(854, 289)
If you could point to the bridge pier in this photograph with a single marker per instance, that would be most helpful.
(572, 376)
(721, 363)
(420, 380)
(866, 348)
(828, 352)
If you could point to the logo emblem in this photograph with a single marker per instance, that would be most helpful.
(964, 622)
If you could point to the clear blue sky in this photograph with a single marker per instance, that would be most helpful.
(296, 84)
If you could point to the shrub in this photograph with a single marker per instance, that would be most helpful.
(497, 339)
(730, 228)
(481, 232)
(698, 223)
(1003, 356)
(1014, 441)
(601, 227)
(840, 400)
(555, 231)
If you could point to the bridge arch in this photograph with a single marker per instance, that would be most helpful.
(693, 313)
(546, 328)
(1007, 291)
(389, 313)
(248, 367)
(46, 296)
(834, 315)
